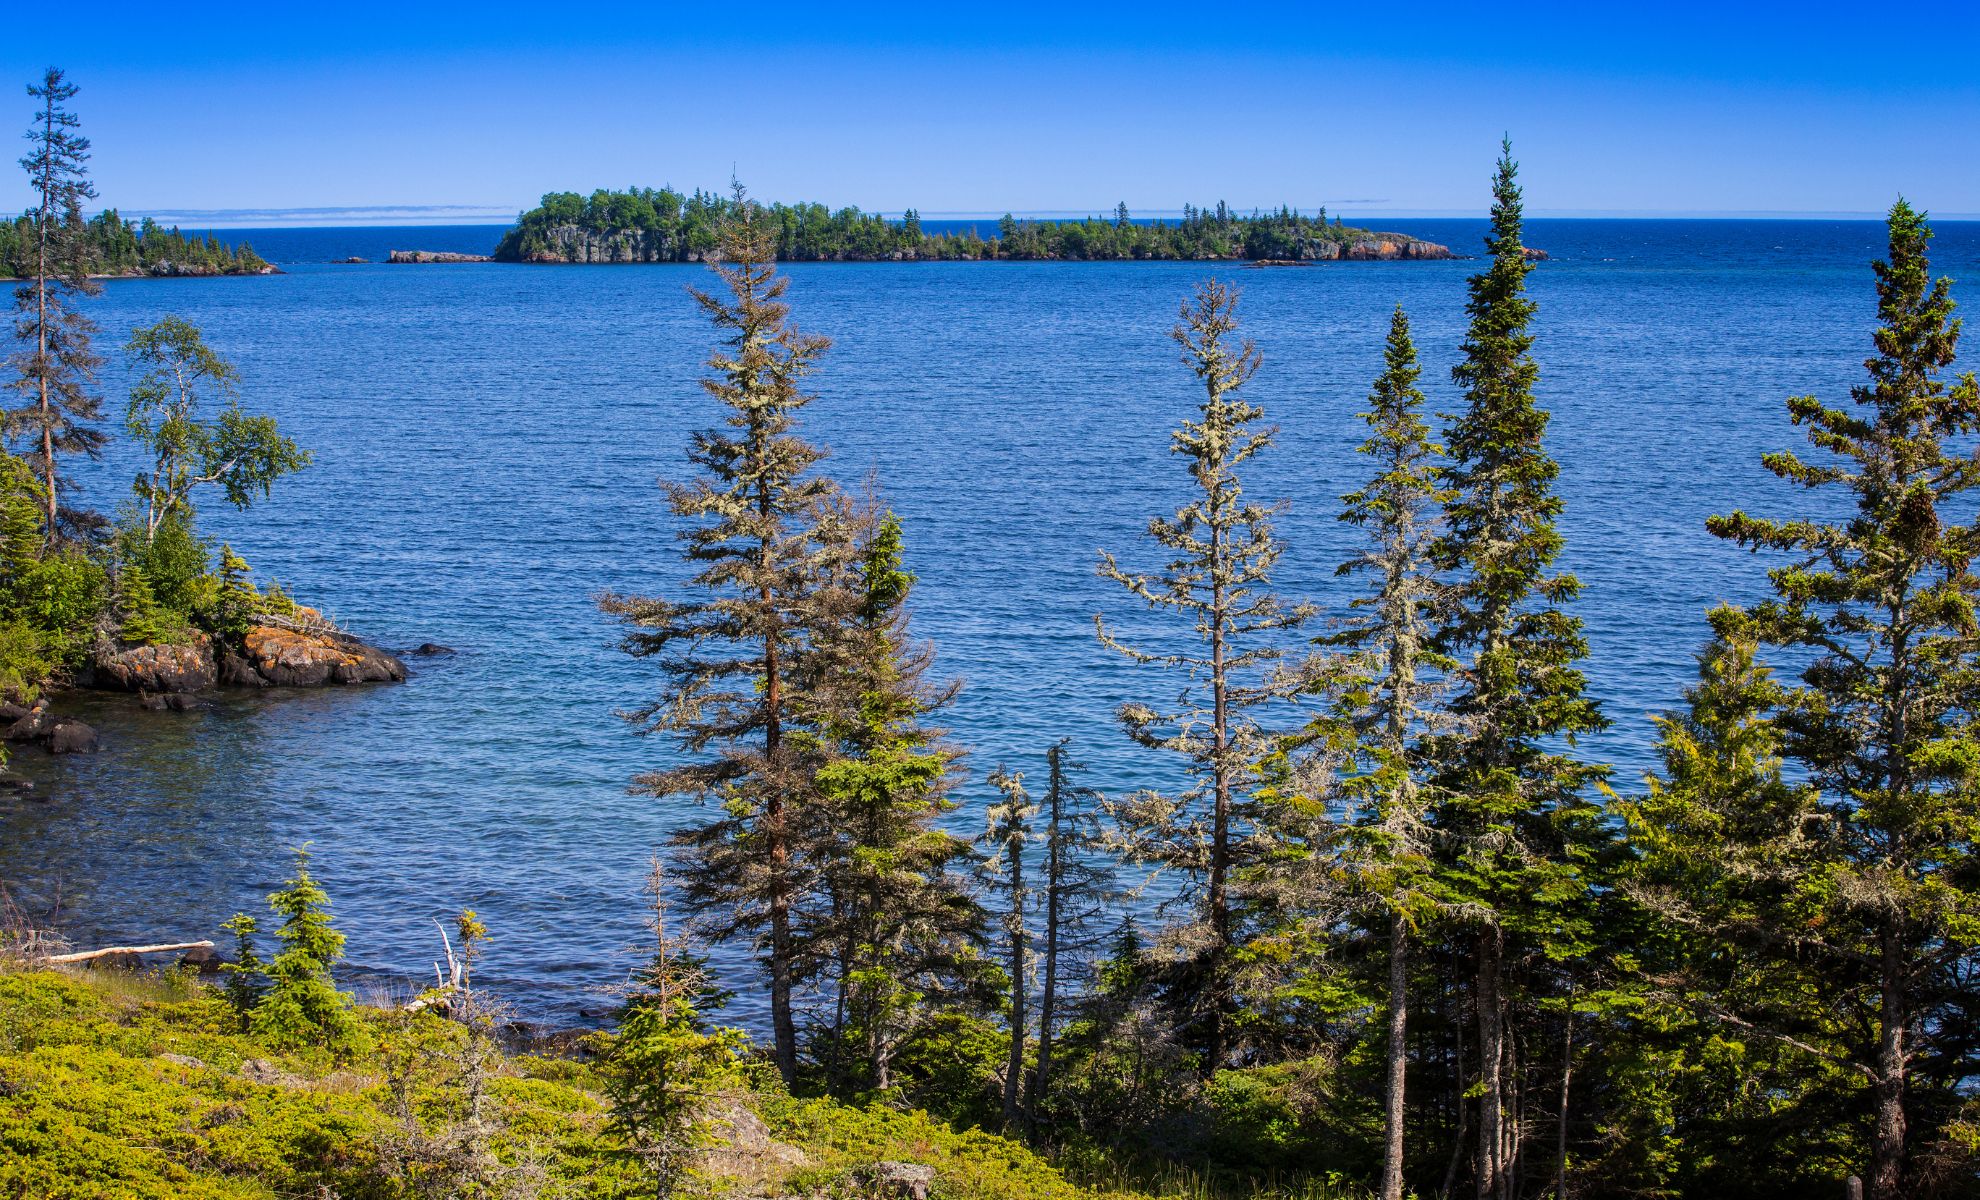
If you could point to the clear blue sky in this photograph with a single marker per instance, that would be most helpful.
(1614, 108)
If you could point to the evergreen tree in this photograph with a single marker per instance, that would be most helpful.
(302, 1005)
(243, 986)
(1077, 889)
(1218, 581)
(663, 1063)
(1511, 803)
(901, 929)
(1382, 676)
(1881, 604)
(727, 655)
(1009, 832)
(55, 366)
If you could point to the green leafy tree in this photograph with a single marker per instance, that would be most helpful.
(1217, 580)
(302, 1006)
(1881, 604)
(241, 453)
(727, 655)
(55, 366)
(1512, 807)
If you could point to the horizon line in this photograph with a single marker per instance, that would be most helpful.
(399, 215)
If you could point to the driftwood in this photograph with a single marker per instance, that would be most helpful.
(86, 955)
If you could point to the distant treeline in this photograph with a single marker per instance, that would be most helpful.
(118, 247)
(649, 225)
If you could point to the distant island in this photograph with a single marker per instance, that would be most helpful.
(118, 248)
(645, 225)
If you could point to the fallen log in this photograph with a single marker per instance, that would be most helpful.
(86, 955)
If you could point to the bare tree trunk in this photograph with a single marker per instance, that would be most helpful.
(1393, 1110)
(1014, 1071)
(1491, 1063)
(1041, 1075)
(783, 1025)
(1561, 1132)
(1220, 833)
(1462, 1125)
(1888, 1152)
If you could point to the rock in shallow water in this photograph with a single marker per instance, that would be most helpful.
(274, 657)
(71, 737)
(188, 667)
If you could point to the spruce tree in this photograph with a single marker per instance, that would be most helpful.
(1511, 807)
(1879, 604)
(302, 1005)
(1382, 677)
(900, 929)
(55, 367)
(1077, 890)
(1010, 830)
(1217, 582)
(727, 653)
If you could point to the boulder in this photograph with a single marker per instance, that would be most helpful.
(272, 656)
(71, 737)
(186, 667)
(167, 702)
(117, 962)
(431, 649)
(907, 1181)
(11, 712)
(31, 728)
(203, 959)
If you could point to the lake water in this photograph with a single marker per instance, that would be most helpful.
(487, 440)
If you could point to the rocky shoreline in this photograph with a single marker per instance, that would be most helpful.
(434, 256)
(576, 246)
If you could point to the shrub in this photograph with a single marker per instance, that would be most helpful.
(302, 1006)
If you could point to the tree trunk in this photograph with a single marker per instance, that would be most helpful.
(1392, 1149)
(783, 1025)
(1567, 1078)
(1491, 1062)
(1014, 1071)
(1041, 1075)
(1888, 1151)
(1220, 832)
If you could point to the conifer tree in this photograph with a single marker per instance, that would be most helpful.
(55, 366)
(1511, 802)
(242, 987)
(302, 1005)
(727, 654)
(1077, 888)
(901, 929)
(663, 1063)
(1217, 581)
(1880, 606)
(1010, 831)
(1382, 676)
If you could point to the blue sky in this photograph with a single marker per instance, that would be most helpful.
(433, 112)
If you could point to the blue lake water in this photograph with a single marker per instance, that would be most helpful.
(487, 440)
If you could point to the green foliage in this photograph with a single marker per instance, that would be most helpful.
(111, 245)
(240, 453)
(143, 619)
(663, 225)
(243, 987)
(174, 560)
(236, 601)
(60, 596)
(302, 1006)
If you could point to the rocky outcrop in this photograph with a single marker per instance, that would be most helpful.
(1383, 247)
(273, 656)
(187, 667)
(309, 653)
(435, 256)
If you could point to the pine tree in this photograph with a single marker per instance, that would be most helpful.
(1218, 581)
(1511, 802)
(55, 366)
(901, 929)
(727, 656)
(302, 1005)
(1881, 604)
(1382, 677)
(243, 986)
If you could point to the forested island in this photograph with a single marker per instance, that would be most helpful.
(111, 246)
(648, 225)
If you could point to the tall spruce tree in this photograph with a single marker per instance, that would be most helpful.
(727, 654)
(1880, 604)
(899, 924)
(55, 366)
(1511, 804)
(1383, 678)
(1223, 551)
